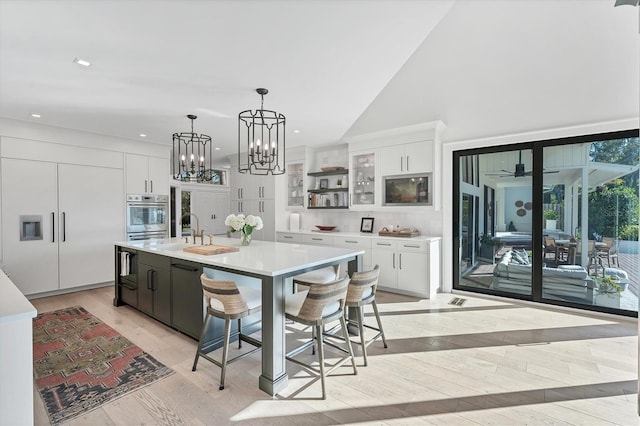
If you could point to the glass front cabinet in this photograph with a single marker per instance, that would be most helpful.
(296, 191)
(363, 180)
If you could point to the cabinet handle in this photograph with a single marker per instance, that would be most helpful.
(400, 260)
(238, 192)
(317, 239)
(383, 244)
(53, 227)
(241, 192)
(349, 241)
(149, 279)
(64, 227)
(410, 246)
(184, 267)
(401, 159)
(145, 185)
(287, 236)
(394, 261)
(407, 163)
(128, 286)
(151, 186)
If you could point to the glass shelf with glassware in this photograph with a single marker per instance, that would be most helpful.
(295, 185)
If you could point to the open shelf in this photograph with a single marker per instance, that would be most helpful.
(322, 191)
(330, 173)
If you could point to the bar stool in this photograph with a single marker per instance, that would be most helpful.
(319, 276)
(361, 292)
(227, 301)
(318, 306)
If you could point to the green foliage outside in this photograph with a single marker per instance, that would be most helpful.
(613, 211)
(614, 208)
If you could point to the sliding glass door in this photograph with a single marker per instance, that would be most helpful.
(498, 230)
(552, 221)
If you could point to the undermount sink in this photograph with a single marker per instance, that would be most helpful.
(173, 246)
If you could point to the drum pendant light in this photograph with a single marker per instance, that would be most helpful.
(261, 140)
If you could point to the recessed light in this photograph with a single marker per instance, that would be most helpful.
(35, 115)
(296, 131)
(82, 62)
(142, 135)
(217, 148)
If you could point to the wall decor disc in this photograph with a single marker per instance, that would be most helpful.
(519, 203)
(521, 212)
(528, 205)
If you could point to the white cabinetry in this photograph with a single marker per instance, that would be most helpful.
(361, 243)
(364, 180)
(252, 194)
(296, 189)
(212, 209)
(147, 175)
(415, 157)
(82, 214)
(408, 266)
(289, 237)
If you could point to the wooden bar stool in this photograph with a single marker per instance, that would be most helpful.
(227, 301)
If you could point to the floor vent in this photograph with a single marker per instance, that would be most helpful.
(457, 301)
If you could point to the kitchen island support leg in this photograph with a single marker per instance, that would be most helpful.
(274, 374)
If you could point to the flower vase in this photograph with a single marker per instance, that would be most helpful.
(246, 239)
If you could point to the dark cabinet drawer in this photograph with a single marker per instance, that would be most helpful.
(156, 260)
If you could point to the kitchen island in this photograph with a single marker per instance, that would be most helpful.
(270, 264)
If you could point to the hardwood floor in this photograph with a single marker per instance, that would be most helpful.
(485, 362)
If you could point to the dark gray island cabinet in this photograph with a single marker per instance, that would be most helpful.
(168, 290)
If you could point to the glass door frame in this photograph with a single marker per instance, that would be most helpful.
(537, 148)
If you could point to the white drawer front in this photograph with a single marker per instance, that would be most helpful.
(322, 240)
(285, 237)
(384, 244)
(353, 242)
(418, 246)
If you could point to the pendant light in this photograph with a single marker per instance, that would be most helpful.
(192, 157)
(261, 140)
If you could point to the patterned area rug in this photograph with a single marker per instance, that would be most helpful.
(81, 363)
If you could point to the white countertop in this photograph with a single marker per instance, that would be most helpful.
(13, 305)
(260, 257)
(360, 234)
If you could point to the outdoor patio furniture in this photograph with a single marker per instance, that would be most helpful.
(609, 251)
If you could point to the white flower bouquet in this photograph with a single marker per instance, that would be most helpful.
(244, 224)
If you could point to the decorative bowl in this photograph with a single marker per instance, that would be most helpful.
(325, 227)
(331, 169)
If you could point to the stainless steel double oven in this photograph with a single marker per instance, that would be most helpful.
(147, 217)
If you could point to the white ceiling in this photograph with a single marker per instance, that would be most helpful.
(334, 68)
(154, 62)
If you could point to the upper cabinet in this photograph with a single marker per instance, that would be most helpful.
(363, 189)
(147, 175)
(296, 188)
(376, 157)
(409, 158)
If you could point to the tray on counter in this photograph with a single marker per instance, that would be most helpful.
(210, 249)
(404, 233)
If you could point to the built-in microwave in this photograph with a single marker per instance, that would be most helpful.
(407, 190)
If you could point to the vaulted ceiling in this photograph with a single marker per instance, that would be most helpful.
(334, 68)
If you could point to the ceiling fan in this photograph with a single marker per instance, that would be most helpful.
(519, 170)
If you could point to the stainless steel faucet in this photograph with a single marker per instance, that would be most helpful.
(198, 232)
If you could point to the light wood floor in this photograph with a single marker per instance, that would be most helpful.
(486, 362)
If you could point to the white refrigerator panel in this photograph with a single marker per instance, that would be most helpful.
(91, 220)
(30, 188)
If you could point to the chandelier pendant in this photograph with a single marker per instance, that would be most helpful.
(261, 140)
(192, 157)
